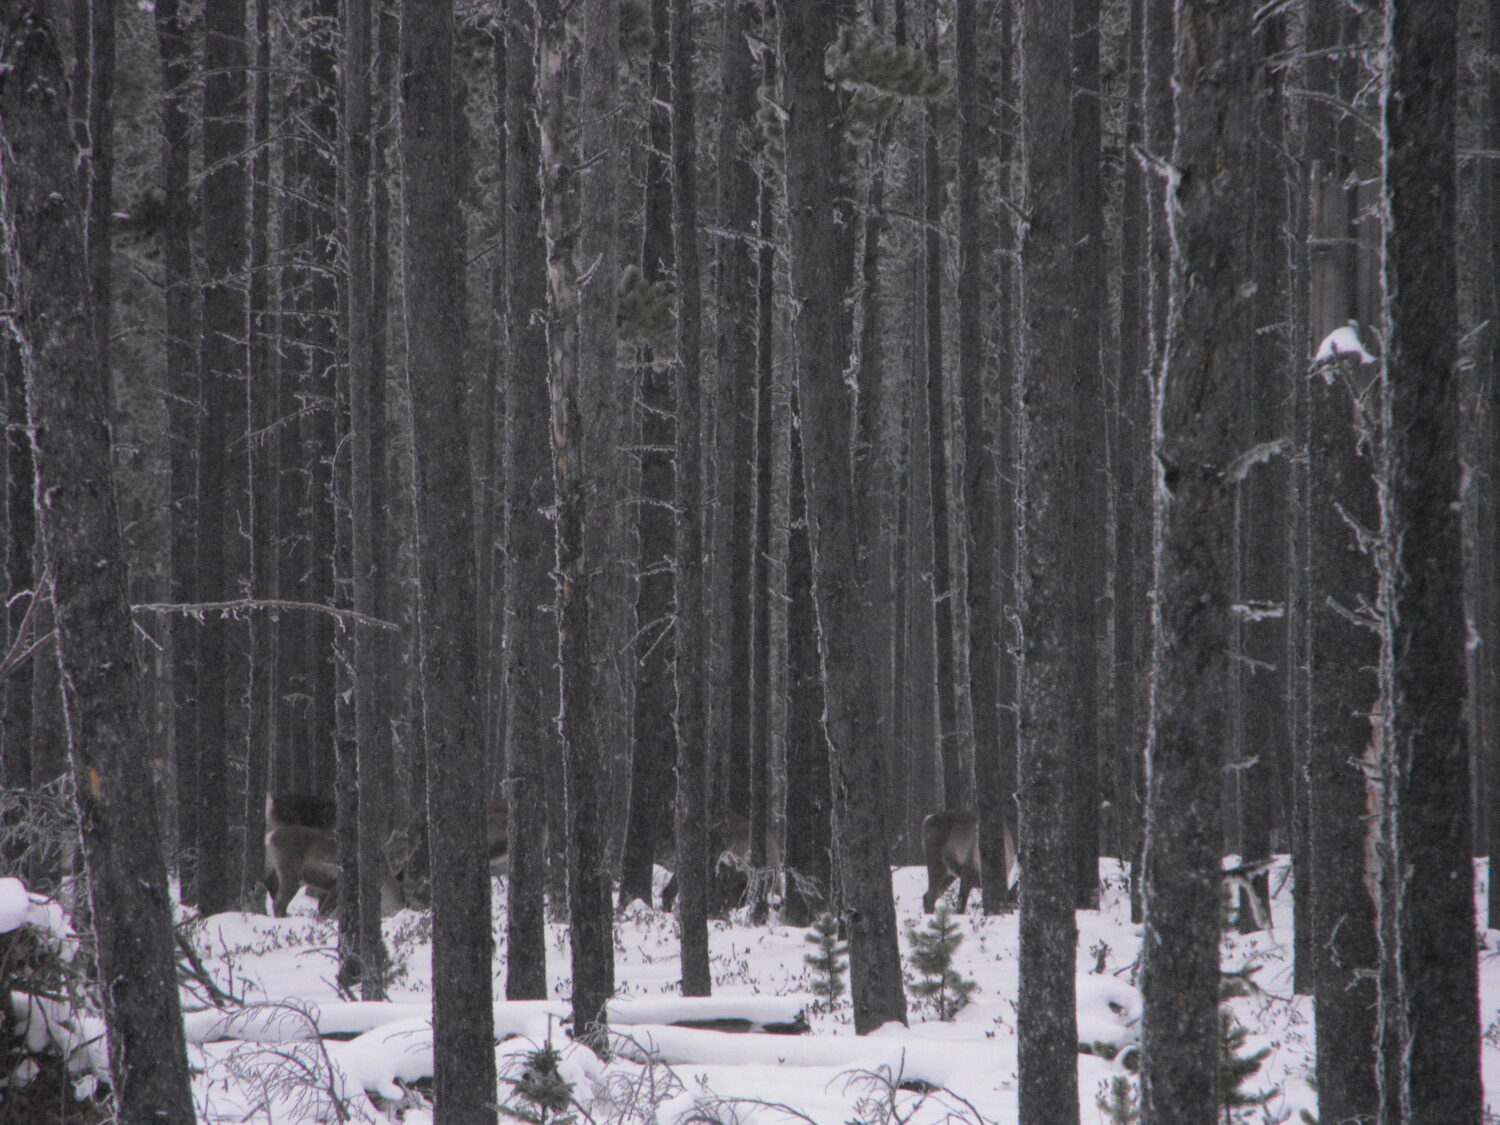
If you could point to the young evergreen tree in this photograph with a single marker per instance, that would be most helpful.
(828, 960)
(932, 950)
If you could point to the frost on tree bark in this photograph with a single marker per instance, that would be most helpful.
(1085, 507)
(1046, 1016)
(223, 471)
(1429, 1036)
(588, 880)
(691, 494)
(649, 825)
(1343, 520)
(1197, 446)
(462, 946)
(531, 648)
(838, 522)
(42, 228)
(986, 619)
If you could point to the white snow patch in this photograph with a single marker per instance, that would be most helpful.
(1343, 341)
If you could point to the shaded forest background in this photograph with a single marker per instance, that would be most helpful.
(552, 411)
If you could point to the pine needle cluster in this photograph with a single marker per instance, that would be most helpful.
(828, 960)
(545, 1095)
(932, 951)
(863, 57)
(647, 310)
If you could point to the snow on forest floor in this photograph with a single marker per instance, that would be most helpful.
(266, 1064)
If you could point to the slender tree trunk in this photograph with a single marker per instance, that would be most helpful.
(174, 49)
(42, 226)
(1087, 505)
(838, 520)
(731, 700)
(980, 458)
(366, 494)
(1429, 1020)
(1344, 516)
(222, 472)
(462, 947)
(649, 827)
(691, 495)
(264, 468)
(1196, 450)
(593, 951)
(958, 774)
(530, 673)
(1046, 1015)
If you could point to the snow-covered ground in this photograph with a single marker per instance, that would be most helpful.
(300, 1048)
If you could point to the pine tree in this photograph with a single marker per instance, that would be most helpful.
(546, 1094)
(932, 950)
(1121, 1105)
(829, 959)
(1236, 1068)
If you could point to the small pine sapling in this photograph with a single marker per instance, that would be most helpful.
(545, 1095)
(1119, 1104)
(828, 960)
(1235, 1069)
(932, 952)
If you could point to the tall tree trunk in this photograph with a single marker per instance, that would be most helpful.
(1087, 509)
(1343, 518)
(958, 769)
(264, 468)
(175, 52)
(530, 672)
(1196, 451)
(978, 392)
(731, 700)
(462, 946)
(1265, 752)
(1046, 1020)
(838, 519)
(593, 950)
(1429, 1020)
(366, 495)
(42, 226)
(1132, 502)
(649, 824)
(691, 494)
(222, 471)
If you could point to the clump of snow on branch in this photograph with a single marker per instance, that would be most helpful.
(1343, 341)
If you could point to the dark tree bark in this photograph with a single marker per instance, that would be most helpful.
(732, 693)
(649, 830)
(1343, 520)
(94, 34)
(1488, 374)
(264, 522)
(67, 390)
(1046, 1019)
(1132, 502)
(20, 574)
(1086, 506)
(1429, 1020)
(1196, 449)
(981, 459)
(222, 471)
(462, 946)
(174, 49)
(838, 520)
(320, 334)
(958, 773)
(530, 671)
(1265, 752)
(366, 495)
(588, 880)
(691, 494)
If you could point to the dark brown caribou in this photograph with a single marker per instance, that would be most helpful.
(950, 841)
